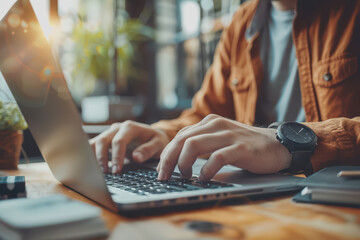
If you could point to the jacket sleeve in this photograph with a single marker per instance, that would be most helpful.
(338, 142)
(214, 95)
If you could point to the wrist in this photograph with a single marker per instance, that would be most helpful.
(283, 154)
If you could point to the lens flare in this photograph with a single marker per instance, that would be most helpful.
(14, 20)
(24, 24)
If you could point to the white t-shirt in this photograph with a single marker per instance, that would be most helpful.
(280, 97)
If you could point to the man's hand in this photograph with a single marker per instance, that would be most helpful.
(120, 136)
(229, 142)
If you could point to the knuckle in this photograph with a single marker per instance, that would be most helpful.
(179, 140)
(128, 124)
(192, 142)
(219, 157)
(101, 142)
(146, 152)
(114, 126)
(210, 117)
(213, 115)
(242, 147)
(218, 121)
(205, 170)
(117, 141)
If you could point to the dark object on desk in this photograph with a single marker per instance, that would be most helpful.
(204, 226)
(327, 187)
(12, 187)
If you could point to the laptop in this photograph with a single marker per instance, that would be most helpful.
(38, 86)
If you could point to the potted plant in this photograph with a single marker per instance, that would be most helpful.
(11, 137)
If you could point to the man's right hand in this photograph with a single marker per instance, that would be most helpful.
(118, 138)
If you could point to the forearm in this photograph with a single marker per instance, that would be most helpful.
(338, 142)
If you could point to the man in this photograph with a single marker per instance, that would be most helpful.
(283, 60)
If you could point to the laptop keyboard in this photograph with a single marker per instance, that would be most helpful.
(144, 182)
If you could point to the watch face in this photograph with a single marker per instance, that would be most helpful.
(297, 133)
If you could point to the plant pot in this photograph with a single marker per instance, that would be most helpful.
(10, 148)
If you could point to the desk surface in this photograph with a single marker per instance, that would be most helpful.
(273, 218)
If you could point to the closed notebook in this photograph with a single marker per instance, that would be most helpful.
(53, 217)
(327, 187)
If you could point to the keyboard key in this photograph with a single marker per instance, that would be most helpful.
(144, 182)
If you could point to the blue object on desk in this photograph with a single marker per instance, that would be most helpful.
(12, 187)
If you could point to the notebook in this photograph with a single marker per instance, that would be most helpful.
(327, 187)
(37, 83)
(52, 217)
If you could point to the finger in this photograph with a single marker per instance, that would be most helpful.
(147, 150)
(101, 152)
(127, 133)
(198, 145)
(185, 129)
(167, 146)
(164, 151)
(101, 146)
(216, 161)
(170, 157)
(92, 145)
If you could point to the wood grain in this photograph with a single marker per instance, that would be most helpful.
(271, 218)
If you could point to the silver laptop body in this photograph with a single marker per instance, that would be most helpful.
(38, 85)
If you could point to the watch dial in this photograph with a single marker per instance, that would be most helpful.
(297, 133)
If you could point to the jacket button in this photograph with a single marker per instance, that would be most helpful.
(235, 82)
(327, 77)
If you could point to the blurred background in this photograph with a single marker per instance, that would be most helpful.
(131, 59)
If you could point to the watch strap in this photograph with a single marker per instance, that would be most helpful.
(300, 163)
(300, 159)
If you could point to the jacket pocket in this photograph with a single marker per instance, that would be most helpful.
(337, 87)
(329, 73)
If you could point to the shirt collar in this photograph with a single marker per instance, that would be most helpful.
(259, 19)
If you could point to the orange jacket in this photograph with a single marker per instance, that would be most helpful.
(326, 35)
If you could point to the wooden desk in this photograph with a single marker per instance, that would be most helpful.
(273, 218)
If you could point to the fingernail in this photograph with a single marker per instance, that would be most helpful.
(138, 156)
(162, 175)
(114, 169)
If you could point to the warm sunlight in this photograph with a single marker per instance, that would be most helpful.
(41, 8)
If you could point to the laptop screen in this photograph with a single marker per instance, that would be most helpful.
(37, 83)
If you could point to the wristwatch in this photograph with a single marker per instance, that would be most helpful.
(301, 142)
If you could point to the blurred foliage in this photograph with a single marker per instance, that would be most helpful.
(94, 50)
(11, 117)
(130, 34)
